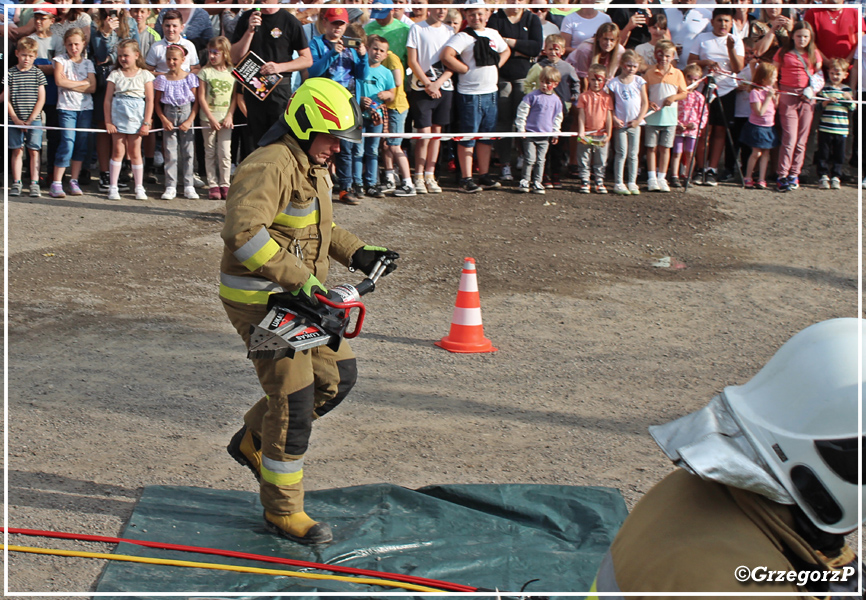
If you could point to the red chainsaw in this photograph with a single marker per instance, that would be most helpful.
(291, 327)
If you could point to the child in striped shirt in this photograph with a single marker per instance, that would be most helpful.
(26, 85)
(833, 127)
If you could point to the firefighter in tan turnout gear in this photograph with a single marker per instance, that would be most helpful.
(768, 487)
(279, 235)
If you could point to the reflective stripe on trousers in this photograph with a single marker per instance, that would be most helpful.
(605, 580)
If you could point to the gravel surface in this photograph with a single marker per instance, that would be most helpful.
(124, 371)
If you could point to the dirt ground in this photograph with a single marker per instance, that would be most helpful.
(124, 371)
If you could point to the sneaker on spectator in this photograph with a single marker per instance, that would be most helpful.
(835, 184)
(56, 190)
(505, 173)
(537, 188)
(599, 187)
(782, 184)
(105, 183)
(375, 191)
(113, 193)
(405, 191)
(189, 193)
(140, 193)
(468, 186)
(487, 182)
(546, 182)
(621, 189)
(390, 185)
(749, 183)
(652, 185)
(418, 182)
(198, 182)
(169, 194)
(556, 181)
(760, 184)
(15, 188)
(150, 176)
(214, 194)
(710, 178)
(523, 186)
(431, 185)
(35, 190)
(824, 183)
(74, 189)
(698, 177)
(224, 192)
(349, 197)
(633, 189)
(675, 182)
(663, 185)
(793, 182)
(583, 188)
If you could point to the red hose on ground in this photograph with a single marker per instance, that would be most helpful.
(444, 585)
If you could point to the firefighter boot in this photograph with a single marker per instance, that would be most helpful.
(298, 527)
(247, 450)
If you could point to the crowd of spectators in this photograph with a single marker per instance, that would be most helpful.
(630, 80)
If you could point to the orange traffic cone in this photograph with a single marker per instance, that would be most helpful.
(467, 332)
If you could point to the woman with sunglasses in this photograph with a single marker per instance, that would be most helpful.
(541, 10)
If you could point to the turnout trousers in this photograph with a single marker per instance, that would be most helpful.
(297, 391)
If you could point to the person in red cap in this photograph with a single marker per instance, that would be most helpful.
(25, 19)
(273, 34)
(332, 58)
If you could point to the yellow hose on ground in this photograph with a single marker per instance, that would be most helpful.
(220, 567)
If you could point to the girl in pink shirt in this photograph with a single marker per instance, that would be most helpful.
(759, 133)
(692, 116)
(796, 61)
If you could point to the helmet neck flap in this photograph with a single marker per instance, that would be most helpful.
(791, 433)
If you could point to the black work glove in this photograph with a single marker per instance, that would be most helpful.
(365, 258)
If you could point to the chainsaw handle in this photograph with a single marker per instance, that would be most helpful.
(347, 306)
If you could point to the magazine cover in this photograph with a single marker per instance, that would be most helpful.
(249, 73)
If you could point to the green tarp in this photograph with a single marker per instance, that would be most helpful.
(486, 536)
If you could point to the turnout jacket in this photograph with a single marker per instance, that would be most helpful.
(279, 225)
(690, 535)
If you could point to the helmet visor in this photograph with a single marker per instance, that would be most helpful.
(353, 133)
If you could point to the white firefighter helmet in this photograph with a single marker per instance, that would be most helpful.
(800, 413)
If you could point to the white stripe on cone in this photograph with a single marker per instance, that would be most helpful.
(468, 283)
(466, 316)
